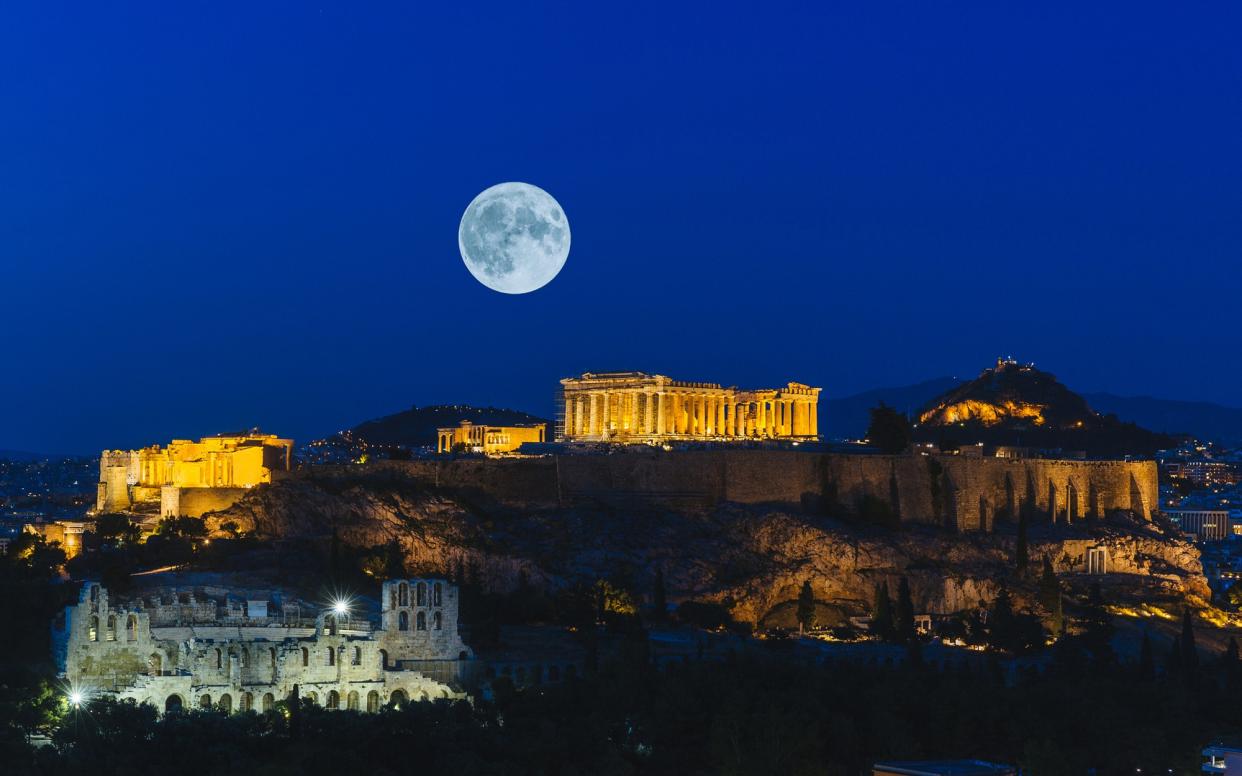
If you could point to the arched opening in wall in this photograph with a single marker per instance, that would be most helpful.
(131, 628)
(437, 620)
(329, 625)
(246, 702)
(1071, 503)
(331, 656)
(357, 656)
(404, 594)
(155, 664)
(271, 655)
(383, 655)
(219, 658)
(305, 657)
(313, 697)
(1093, 502)
(403, 621)
(423, 697)
(226, 703)
(174, 704)
(437, 595)
(351, 702)
(92, 633)
(554, 673)
(204, 702)
(110, 634)
(334, 700)
(269, 701)
(94, 594)
(372, 702)
(397, 699)
(245, 658)
(392, 598)
(422, 593)
(463, 655)
(1053, 507)
(421, 619)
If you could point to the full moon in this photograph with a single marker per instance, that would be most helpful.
(514, 238)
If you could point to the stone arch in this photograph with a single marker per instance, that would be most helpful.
(392, 598)
(131, 628)
(173, 704)
(155, 664)
(246, 702)
(331, 656)
(226, 703)
(437, 595)
(334, 700)
(204, 702)
(372, 702)
(1073, 507)
(398, 698)
(271, 656)
(383, 656)
(403, 621)
(305, 657)
(110, 634)
(313, 697)
(403, 594)
(357, 656)
(437, 620)
(93, 633)
(421, 621)
(269, 701)
(245, 658)
(351, 701)
(329, 625)
(219, 658)
(422, 593)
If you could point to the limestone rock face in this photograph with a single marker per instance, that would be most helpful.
(749, 558)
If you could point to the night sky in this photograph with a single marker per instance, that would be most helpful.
(217, 215)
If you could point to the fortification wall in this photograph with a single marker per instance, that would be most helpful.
(957, 492)
(195, 502)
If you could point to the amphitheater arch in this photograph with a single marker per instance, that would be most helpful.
(155, 664)
(397, 699)
(246, 702)
(334, 700)
(226, 703)
(1072, 505)
(373, 701)
(173, 704)
(269, 701)
(351, 701)
(204, 701)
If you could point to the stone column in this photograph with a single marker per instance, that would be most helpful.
(661, 400)
(578, 415)
(701, 406)
(814, 430)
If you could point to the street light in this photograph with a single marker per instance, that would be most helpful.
(75, 698)
(340, 607)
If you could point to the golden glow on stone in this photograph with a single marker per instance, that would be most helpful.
(987, 413)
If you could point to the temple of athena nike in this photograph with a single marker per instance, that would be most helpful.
(641, 408)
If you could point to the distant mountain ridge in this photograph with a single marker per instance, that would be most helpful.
(847, 417)
(416, 427)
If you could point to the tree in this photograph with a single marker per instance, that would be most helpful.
(1001, 624)
(806, 608)
(882, 613)
(659, 600)
(1049, 586)
(116, 529)
(1190, 653)
(1098, 631)
(1146, 664)
(904, 620)
(1022, 560)
(889, 430)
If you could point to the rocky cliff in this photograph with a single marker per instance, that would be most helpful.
(752, 558)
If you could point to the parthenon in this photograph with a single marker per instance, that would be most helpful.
(642, 408)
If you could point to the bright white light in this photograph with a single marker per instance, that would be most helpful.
(341, 607)
(75, 698)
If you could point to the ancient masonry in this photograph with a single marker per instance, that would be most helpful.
(638, 407)
(489, 440)
(189, 478)
(958, 492)
(185, 650)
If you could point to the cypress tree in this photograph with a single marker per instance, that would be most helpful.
(659, 602)
(1190, 653)
(1022, 560)
(1049, 586)
(295, 713)
(905, 613)
(882, 613)
(806, 608)
(1146, 665)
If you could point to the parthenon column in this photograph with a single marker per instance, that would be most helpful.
(649, 400)
(814, 431)
(661, 399)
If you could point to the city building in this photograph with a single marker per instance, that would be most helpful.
(489, 440)
(636, 407)
(943, 768)
(1222, 759)
(67, 532)
(188, 478)
(1208, 525)
(182, 648)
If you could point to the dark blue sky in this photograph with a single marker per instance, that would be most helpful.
(216, 215)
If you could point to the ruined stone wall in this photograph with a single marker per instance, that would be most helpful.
(957, 492)
(195, 502)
